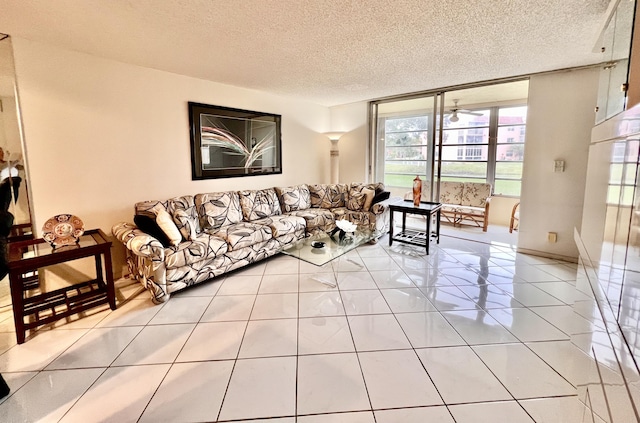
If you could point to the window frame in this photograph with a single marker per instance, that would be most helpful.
(492, 144)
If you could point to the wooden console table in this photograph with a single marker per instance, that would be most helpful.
(413, 237)
(26, 257)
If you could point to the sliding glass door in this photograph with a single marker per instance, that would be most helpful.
(472, 134)
(406, 134)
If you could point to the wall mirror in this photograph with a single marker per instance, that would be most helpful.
(14, 199)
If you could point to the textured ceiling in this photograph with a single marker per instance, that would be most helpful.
(325, 51)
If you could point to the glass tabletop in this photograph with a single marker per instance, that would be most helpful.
(37, 248)
(332, 249)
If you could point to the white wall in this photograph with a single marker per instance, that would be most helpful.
(102, 135)
(559, 122)
(352, 119)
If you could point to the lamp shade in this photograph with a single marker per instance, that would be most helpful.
(334, 136)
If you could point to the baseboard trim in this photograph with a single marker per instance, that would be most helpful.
(547, 255)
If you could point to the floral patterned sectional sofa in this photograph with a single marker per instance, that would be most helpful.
(214, 233)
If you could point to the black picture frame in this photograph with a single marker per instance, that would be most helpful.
(227, 142)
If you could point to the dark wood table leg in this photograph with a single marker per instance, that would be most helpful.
(390, 227)
(404, 221)
(428, 233)
(111, 291)
(17, 300)
(438, 226)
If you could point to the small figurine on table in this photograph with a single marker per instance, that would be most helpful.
(343, 227)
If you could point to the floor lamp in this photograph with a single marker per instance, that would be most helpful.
(335, 155)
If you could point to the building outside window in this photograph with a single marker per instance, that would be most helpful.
(487, 146)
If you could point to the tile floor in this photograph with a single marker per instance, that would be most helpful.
(471, 333)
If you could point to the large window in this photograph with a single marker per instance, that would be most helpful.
(507, 178)
(405, 151)
(485, 146)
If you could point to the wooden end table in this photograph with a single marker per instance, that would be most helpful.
(413, 237)
(26, 257)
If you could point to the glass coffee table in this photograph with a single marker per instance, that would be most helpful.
(332, 249)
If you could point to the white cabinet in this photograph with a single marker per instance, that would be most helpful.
(615, 47)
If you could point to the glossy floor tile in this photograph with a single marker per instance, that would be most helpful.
(397, 379)
(330, 383)
(176, 400)
(509, 411)
(474, 332)
(523, 373)
(461, 376)
(261, 387)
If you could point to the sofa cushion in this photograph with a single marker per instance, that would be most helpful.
(145, 208)
(218, 209)
(361, 195)
(369, 194)
(148, 225)
(451, 192)
(294, 198)
(283, 224)
(185, 215)
(204, 246)
(475, 194)
(316, 219)
(165, 222)
(340, 212)
(257, 204)
(479, 211)
(243, 234)
(449, 209)
(328, 196)
(380, 196)
(356, 201)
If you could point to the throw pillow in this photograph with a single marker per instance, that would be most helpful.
(149, 226)
(383, 195)
(165, 221)
(369, 193)
(356, 201)
(185, 216)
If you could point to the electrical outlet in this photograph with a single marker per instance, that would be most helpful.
(558, 165)
(552, 237)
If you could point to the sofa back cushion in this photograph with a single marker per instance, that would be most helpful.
(328, 196)
(451, 192)
(475, 194)
(218, 209)
(361, 196)
(294, 198)
(185, 215)
(259, 204)
(159, 213)
(146, 208)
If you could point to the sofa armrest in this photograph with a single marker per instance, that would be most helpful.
(487, 204)
(138, 242)
(382, 206)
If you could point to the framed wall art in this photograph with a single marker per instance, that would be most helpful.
(228, 142)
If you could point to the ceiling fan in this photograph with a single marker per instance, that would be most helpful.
(455, 110)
